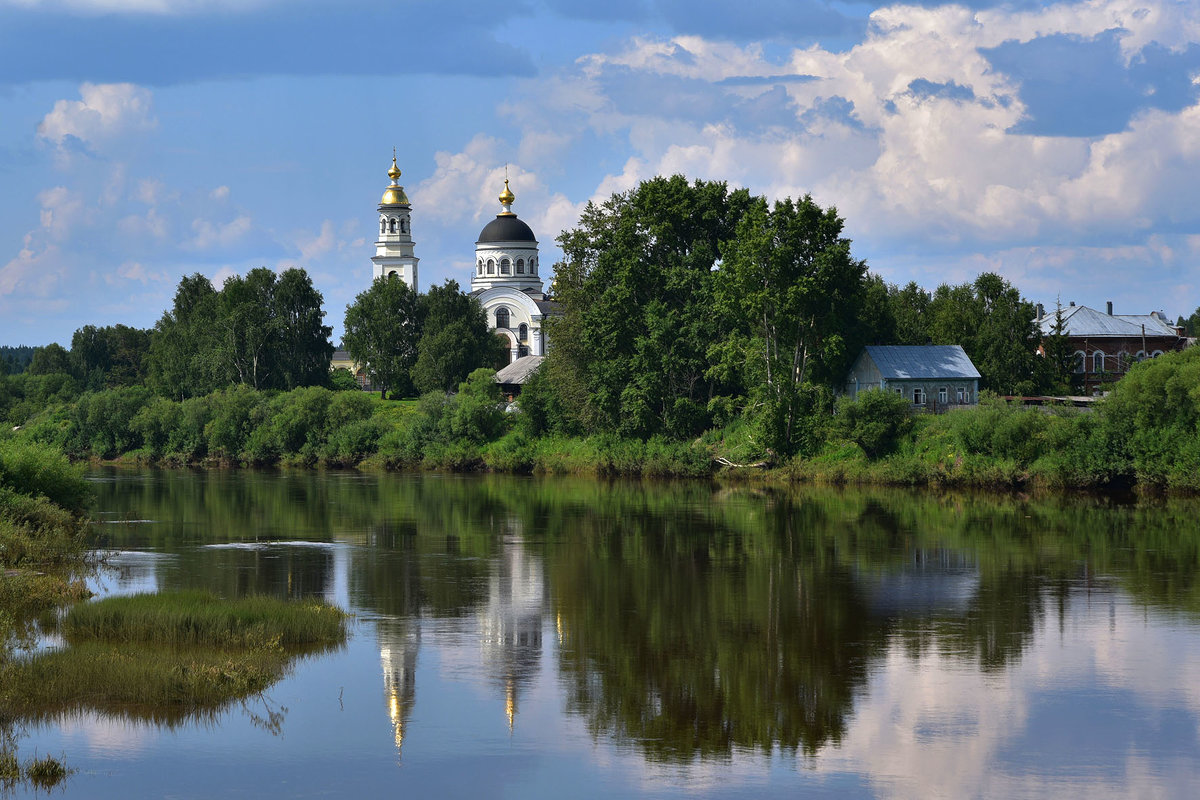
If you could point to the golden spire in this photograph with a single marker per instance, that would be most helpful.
(395, 193)
(507, 198)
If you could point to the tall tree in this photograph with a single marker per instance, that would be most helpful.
(789, 275)
(111, 356)
(303, 349)
(1059, 354)
(382, 330)
(53, 359)
(636, 285)
(455, 339)
(181, 362)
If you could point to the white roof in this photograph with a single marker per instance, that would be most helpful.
(1082, 321)
(519, 371)
(918, 362)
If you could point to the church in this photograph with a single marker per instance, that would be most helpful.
(506, 280)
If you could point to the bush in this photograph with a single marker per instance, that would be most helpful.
(876, 421)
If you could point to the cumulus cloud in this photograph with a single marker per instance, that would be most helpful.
(210, 235)
(104, 112)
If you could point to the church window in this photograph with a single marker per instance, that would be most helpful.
(382, 225)
(520, 266)
(392, 225)
(501, 317)
(1098, 361)
(523, 332)
(1080, 359)
(504, 266)
(491, 267)
(1156, 354)
(392, 275)
(533, 266)
(480, 266)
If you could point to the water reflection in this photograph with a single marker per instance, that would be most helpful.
(913, 641)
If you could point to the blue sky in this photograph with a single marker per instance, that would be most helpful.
(1057, 144)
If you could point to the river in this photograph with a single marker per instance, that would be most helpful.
(530, 637)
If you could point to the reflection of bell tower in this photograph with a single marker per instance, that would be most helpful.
(511, 623)
(398, 646)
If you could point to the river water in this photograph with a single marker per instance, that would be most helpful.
(529, 637)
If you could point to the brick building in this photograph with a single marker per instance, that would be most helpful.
(1107, 344)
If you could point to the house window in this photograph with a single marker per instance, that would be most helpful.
(1156, 354)
(943, 395)
(899, 390)
(1098, 361)
(501, 317)
(964, 396)
(523, 332)
(918, 396)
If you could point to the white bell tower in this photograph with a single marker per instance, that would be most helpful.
(394, 249)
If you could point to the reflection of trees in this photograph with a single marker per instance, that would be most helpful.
(692, 641)
(298, 571)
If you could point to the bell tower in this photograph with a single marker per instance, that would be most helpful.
(394, 249)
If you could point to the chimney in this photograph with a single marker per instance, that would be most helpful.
(1110, 308)
(1041, 312)
(1072, 304)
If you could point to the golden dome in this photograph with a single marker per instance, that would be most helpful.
(394, 172)
(507, 198)
(394, 196)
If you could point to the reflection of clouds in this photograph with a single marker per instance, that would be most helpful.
(935, 726)
(126, 572)
(109, 736)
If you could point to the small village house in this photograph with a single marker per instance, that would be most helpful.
(931, 377)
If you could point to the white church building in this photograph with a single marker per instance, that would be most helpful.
(506, 280)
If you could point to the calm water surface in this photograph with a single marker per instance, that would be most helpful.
(546, 638)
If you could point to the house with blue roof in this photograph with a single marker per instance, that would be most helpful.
(932, 377)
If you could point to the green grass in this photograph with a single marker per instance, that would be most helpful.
(166, 658)
(201, 618)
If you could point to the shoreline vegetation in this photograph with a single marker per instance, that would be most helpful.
(164, 657)
(1142, 436)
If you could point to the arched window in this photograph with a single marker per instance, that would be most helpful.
(1156, 354)
(533, 266)
(479, 267)
(1080, 360)
(520, 266)
(392, 225)
(504, 266)
(403, 225)
(392, 275)
(382, 225)
(523, 332)
(1098, 361)
(501, 317)
(491, 267)
(1141, 356)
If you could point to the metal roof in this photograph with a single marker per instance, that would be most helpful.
(1082, 321)
(519, 371)
(934, 361)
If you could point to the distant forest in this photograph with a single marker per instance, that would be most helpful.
(14, 360)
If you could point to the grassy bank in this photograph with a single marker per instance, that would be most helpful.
(1146, 434)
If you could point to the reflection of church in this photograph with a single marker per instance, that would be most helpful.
(507, 276)
(510, 626)
(399, 642)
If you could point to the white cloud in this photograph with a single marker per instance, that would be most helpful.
(219, 193)
(105, 112)
(211, 234)
(33, 272)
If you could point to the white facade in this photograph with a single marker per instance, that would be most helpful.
(508, 282)
(394, 253)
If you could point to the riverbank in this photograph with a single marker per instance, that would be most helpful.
(1145, 435)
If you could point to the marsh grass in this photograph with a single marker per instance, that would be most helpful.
(201, 618)
(166, 658)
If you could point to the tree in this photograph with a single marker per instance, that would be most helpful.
(788, 277)
(383, 328)
(455, 339)
(261, 330)
(52, 359)
(1059, 354)
(111, 356)
(636, 287)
